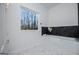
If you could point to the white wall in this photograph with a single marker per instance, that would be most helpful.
(65, 14)
(2, 23)
(23, 39)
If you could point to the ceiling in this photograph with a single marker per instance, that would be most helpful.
(49, 5)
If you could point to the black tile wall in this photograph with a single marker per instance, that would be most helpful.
(68, 31)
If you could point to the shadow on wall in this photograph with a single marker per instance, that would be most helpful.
(77, 39)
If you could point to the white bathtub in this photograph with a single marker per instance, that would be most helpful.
(54, 45)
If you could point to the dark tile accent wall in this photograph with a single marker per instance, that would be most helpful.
(67, 31)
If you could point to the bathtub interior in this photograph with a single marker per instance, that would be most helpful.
(53, 45)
